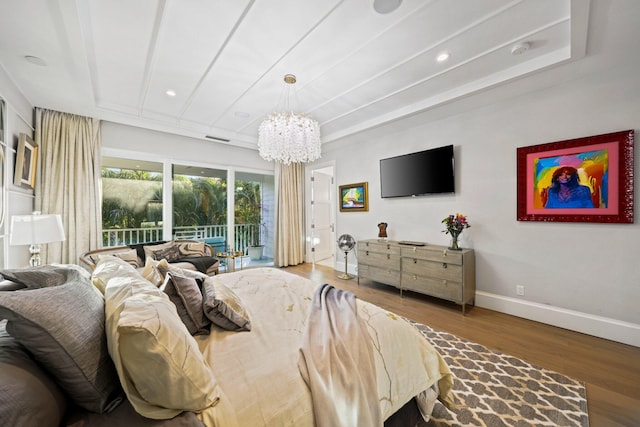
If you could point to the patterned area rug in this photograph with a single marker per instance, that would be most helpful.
(494, 389)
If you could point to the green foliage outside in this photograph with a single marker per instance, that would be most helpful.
(248, 210)
(133, 199)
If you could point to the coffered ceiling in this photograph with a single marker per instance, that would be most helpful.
(225, 59)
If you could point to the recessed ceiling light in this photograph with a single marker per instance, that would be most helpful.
(171, 93)
(386, 6)
(242, 114)
(36, 60)
(443, 56)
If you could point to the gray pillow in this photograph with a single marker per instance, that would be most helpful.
(171, 254)
(223, 307)
(42, 276)
(63, 328)
(185, 294)
(28, 396)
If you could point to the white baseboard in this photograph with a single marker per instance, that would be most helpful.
(599, 326)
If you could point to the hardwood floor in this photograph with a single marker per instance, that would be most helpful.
(610, 370)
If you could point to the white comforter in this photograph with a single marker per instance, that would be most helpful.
(258, 370)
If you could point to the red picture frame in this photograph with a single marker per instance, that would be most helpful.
(553, 179)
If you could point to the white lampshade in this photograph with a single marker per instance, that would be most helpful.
(36, 229)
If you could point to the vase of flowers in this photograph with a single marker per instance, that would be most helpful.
(455, 225)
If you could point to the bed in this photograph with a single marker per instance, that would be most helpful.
(259, 372)
(243, 365)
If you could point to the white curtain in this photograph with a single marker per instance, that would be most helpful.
(289, 235)
(68, 181)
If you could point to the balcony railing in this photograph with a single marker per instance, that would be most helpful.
(245, 235)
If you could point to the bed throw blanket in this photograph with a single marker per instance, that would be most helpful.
(337, 363)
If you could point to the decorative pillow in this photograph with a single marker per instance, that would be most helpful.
(151, 270)
(165, 268)
(130, 256)
(150, 249)
(81, 270)
(63, 328)
(159, 363)
(28, 396)
(43, 276)
(223, 307)
(106, 268)
(191, 249)
(171, 254)
(186, 294)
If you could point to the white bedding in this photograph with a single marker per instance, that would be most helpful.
(258, 370)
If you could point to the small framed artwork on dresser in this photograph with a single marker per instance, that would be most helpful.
(578, 180)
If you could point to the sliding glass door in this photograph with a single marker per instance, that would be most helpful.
(200, 204)
(131, 201)
(202, 207)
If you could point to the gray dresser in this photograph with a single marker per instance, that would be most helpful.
(431, 270)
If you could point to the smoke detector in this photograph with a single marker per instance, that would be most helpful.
(520, 48)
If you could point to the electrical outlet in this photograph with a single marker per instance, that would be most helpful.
(520, 290)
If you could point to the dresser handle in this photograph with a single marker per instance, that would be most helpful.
(367, 253)
(388, 256)
(388, 246)
(444, 265)
(415, 261)
(415, 249)
(415, 277)
(444, 282)
(444, 253)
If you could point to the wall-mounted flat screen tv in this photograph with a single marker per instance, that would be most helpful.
(425, 172)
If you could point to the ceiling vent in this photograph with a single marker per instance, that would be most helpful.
(215, 138)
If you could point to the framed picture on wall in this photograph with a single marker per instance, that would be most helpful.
(354, 197)
(26, 157)
(579, 180)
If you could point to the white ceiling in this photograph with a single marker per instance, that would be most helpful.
(225, 59)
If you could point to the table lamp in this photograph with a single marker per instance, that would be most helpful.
(35, 230)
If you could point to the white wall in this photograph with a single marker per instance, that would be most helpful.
(154, 145)
(19, 200)
(581, 276)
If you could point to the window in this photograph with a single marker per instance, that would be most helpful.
(199, 203)
(131, 201)
(253, 214)
(133, 208)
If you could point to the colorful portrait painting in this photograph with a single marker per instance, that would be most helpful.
(579, 180)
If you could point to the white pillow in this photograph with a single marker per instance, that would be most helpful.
(106, 268)
(151, 272)
(158, 361)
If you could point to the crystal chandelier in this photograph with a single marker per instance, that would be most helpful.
(289, 137)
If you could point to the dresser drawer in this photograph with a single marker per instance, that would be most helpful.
(379, 274)
(445, 289)
(437, 270)
(432, 254)
(378, 259)
(381, 247)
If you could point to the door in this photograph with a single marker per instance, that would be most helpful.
(322, 224)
